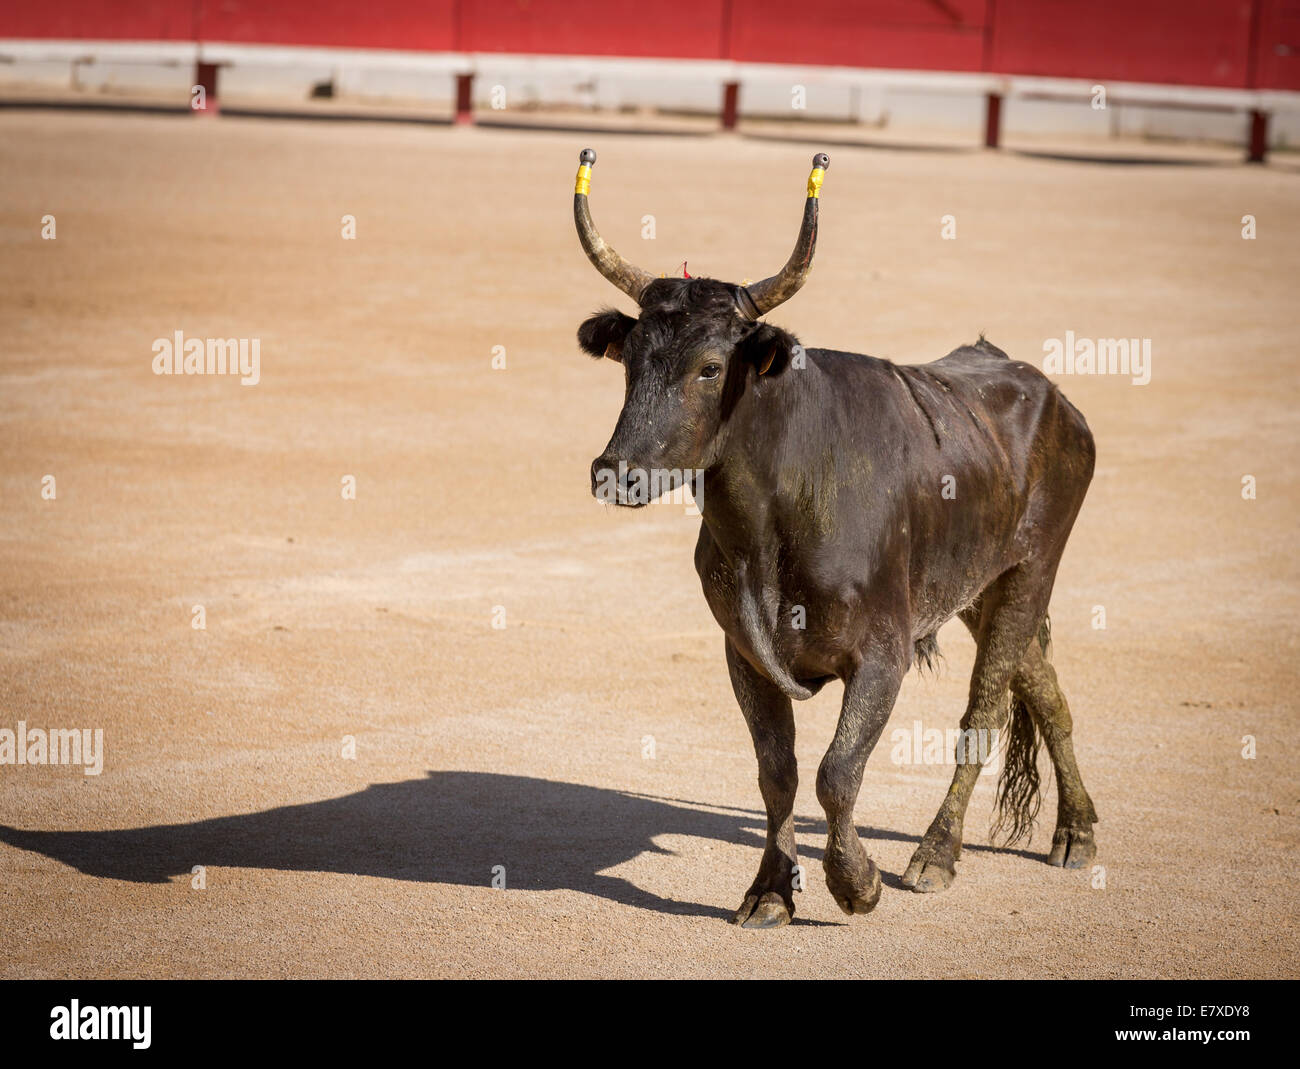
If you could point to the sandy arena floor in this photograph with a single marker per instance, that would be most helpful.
(525, 747)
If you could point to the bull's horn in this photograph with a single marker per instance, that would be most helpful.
(766, 295)
(626, 276)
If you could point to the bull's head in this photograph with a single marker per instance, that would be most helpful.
(696, 347)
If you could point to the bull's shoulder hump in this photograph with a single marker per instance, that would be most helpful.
(984, 360)
(981, 350)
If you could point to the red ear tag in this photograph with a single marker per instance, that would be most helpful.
(685, 273)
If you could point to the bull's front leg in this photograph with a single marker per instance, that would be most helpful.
(869, 694)
(769, 902)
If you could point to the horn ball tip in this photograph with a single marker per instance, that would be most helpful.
(821, 160)
(587, 155)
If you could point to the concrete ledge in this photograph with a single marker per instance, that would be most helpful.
(1147, 94)
(226, 54)
(206, 59)
(163, 53)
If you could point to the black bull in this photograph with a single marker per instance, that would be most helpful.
(850, 507)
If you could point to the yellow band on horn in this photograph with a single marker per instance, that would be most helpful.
(583, 184)
(815, 181)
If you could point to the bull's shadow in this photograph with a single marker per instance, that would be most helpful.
(449, 827)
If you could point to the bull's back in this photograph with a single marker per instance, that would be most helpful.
(998, 470)
(1013, 406)
(1040, 442)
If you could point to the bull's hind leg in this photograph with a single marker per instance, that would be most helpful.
(1004, 620)
(769, 902)
(1035, 685)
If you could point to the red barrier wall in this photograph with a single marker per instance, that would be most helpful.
(861, 33)
(1181, 42)
(1278, 51)
(417, 25)
(1230, 43)
(683, 29)
(100, 20)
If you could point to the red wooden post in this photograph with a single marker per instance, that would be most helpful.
(992, 120)
(730, 105)
(464, 98)
(205, 76)
(1258, 137)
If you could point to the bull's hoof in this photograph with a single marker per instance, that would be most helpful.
(858, 893)
(763, 910)
(1072, 848)
(931, 869)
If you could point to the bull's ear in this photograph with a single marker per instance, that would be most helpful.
(603, 333)
(770, 349)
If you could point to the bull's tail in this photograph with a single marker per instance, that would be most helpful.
(926, 655)
(1019, 787)
(1019, 794)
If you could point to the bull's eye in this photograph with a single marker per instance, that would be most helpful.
(710, 371)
